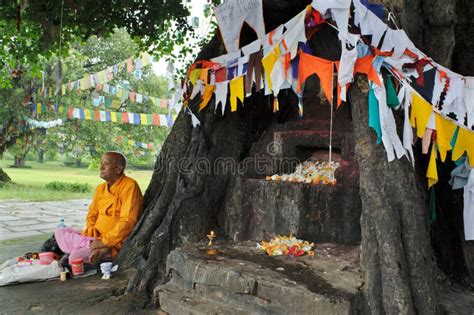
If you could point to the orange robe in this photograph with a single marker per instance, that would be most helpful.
(114, 212)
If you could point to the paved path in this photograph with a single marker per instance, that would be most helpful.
(24, 219)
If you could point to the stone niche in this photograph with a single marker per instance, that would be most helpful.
(257, 209)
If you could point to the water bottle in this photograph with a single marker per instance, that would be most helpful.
(61, 224)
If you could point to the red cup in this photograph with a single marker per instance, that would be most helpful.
(47, 257)
(77, 266)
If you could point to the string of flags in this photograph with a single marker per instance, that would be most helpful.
(108, 116)
(282, 59)
(123, 94)
(44, 124)
(106, 75)
(138, 144)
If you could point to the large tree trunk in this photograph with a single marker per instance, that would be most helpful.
(396, 251)
(444, 29)
(181, 202)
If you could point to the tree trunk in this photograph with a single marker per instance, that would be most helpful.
(183, 198)
(19, 161)
(396, 252)
(78, 161)
(40, 156)
(443, 29)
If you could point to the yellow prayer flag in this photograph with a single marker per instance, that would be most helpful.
(432, 171)
(194, 75)
(236, 87)
(145, 59)
(63, 89)
(119, 92)
(420, 114)
(87, 114)
(464, 143)
(115, 104)
(444, 134)
(204, 74)
(83, 83)
(268, 62)
(143, 119)
(113, 116)
(207, 95)
(38, 108)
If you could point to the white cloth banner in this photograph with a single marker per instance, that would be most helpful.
(340, 10)
(345, 74)
(369, 23)
(221, 95)
(390, 138)
(469, 207)
(231, 16)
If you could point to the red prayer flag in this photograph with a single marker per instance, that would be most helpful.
(156, 119)
(125, 117)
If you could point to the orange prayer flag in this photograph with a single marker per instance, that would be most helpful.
(323, 68)
(365, 65)
(207, 95)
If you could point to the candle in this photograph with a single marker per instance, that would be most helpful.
(212, 233)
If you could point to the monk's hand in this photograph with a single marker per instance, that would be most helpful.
(94, 256)
(97, 254)
(96, 244)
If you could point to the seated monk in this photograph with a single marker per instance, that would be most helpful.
(113, 213)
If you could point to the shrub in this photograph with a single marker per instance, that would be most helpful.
(69, 187)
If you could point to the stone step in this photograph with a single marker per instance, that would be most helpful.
(176, 301)
(244, 278)
(256, 209)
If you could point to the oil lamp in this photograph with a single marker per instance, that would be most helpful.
(212, 235)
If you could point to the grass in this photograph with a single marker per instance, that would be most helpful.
(30, 183)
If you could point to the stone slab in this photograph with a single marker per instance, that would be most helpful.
(12, 235)
(34, 227)
(20, 223)
(241, 275)
(259, 209)
(4, 218)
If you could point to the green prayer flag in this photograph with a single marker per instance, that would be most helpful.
(374, 116)
(392, 98)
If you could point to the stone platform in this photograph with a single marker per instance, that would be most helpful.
(240, 279)
(259, 209)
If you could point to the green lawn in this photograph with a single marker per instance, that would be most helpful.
(30, 182)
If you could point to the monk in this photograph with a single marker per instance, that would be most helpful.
(113, 213)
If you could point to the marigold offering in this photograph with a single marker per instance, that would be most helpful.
(310, 172)
(286, 245)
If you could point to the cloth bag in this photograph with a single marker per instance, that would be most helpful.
(12, 272)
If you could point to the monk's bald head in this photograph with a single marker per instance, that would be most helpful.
(117, 158)
(112, 167)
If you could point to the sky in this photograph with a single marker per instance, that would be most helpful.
(197, 7)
